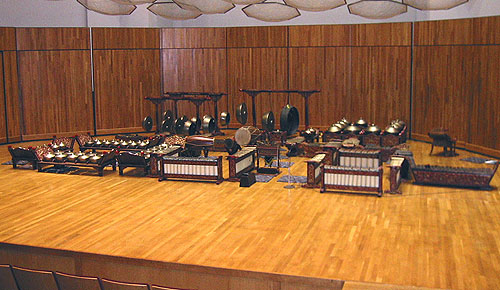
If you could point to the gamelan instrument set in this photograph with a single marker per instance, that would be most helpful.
(349, 158)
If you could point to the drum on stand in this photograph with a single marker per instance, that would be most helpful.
(247, 135)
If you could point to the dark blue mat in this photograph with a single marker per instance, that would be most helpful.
(22, 162)
(263, 177)
(59, 170)
(293, 179)
(282, 157)
(283, 164)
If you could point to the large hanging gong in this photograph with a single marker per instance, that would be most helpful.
(147, 123)
(289, 119)
(242, 113)
(268, 121)
(208, 124)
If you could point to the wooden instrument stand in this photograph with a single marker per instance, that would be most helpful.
(197, 98)
(305, 94)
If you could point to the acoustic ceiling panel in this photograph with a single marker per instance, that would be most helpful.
(377, 9)
(434, 4)
(107, 7)
(173, 11)
(315, 5)
(271, 11)
(206, 6)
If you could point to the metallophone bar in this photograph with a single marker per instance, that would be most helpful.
(360, 158)
(314, 169)
(191, 168)
(241, 162)
(363, 180)
(155, 161)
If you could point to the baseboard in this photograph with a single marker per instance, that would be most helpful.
(462, 145)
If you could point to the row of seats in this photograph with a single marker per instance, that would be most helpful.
(16, 278)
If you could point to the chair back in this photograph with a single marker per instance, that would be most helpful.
(115, 285)
(72, 282)
(7, 281)
(28, 279)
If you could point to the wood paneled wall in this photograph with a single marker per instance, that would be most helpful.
(52, 38)
(3, 119)
(126, 70)
(10, 117)
(361, 70)
(194, 60)
(55, 71)
(56, 89)
(12, 100)
(457, 68)
(448, 75)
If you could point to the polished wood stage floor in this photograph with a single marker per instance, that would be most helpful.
(434, 237)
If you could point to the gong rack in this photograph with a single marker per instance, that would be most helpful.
(305, 94)
(197, 98)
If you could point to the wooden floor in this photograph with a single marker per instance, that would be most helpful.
(434, 237)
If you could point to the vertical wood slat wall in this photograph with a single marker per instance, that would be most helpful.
(457, 72)
(10, 107)
(126, 69)
(55, 81)
(362, 70)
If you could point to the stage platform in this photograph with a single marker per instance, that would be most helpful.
(206, 236)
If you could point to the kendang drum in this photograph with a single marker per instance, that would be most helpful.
(247, 135)
(199, 141)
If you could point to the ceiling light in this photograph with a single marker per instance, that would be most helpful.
(271, 11)
(377, 9)
(206, 6)
(107, 7)
(173, 11)
(434, 4)
(133, 2)
(315, 5)
(244, 2)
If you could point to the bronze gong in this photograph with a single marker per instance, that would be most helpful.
(242, 113)
(179, 124)
(268, 121)
(289, 119)
(225, 118)
(147, 123)
(208, 124)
